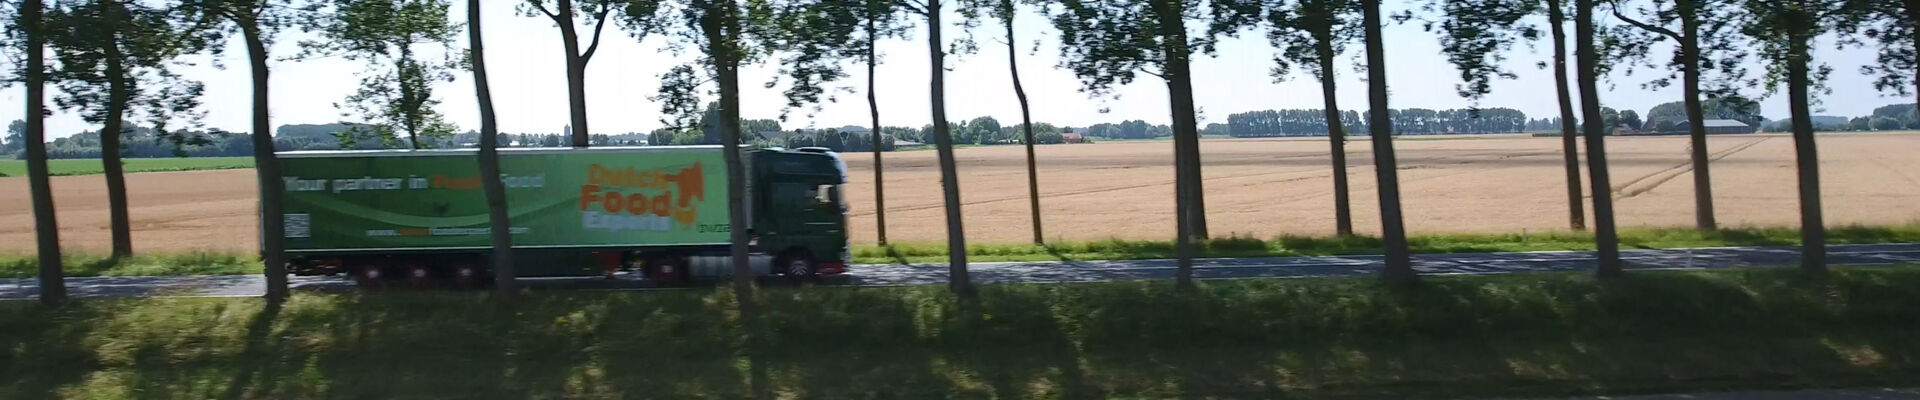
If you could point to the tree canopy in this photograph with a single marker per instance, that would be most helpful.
(107, 44)
(1476, 35)
(1891, 25)
(398, 99)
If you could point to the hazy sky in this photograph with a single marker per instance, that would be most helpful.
(530, 88)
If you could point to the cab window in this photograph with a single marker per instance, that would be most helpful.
(827, 195)
(798, 197)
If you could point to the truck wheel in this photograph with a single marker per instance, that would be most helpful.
(467, 276)
(666, 270)
(419, 275)
(797, 265)
(368, 276)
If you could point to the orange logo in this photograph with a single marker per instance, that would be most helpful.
(677, 191)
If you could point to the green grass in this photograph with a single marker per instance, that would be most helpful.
(1516, 335)
(214, 263)
(82, 264)
(92, 166)
(1116, 249)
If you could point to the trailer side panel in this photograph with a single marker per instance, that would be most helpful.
(431, 200)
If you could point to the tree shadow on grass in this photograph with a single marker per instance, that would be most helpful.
(667, 346)
(897, 257)
(852, 343)
(1753, 237)
(1448, 338)
(1056, 253)
(1319, 246)
(1011, 346)
(45, 348)
(1868, 234)
(1536, 335)
(1640, 333)
(258, 347)
(92, 267)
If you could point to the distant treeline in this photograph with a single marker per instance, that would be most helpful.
(833, 139)
(1889, 118)
(327, 137)
(989, 131)
(1135, 129)
(1411, 121)
(144, 142)
(768, 133)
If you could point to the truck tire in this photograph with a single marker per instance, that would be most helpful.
(666, 269)
(466, 275)
(420, 275)
(369, 275)
(796, 265)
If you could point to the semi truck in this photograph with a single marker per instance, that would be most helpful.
(382, 216)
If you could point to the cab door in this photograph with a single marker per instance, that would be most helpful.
(806, 209)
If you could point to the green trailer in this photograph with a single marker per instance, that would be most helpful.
(421, 214)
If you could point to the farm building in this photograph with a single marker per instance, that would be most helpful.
(1071, 138)
(1727, 126)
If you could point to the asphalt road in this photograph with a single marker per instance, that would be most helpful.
(1066, 271)
(1827, 394)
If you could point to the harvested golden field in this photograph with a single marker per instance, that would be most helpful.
(1259, 187)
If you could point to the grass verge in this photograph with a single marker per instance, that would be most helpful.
(1513, 335)
(191, 263)
(215, 263)
(1116, 249)
(92, 166)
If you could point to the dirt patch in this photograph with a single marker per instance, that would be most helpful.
(1260, 187)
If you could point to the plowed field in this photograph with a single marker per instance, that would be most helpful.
(1261, 187)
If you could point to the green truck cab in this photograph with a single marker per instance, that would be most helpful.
(419, 215)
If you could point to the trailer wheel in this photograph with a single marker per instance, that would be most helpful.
(797, 265)
(419, 275)
(466, 276)
(666, 270)
(368, 275)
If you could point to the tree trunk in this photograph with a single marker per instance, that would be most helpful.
(111, 132)
(1913, 14)
(1336, 135)
(498, 221)
(1178, 74)
(721, 24)
(576, 73)
(1399, 264)
(1190, 135)
(412, 120)
(1577, 217)
(1180, 184)
(1696, 116)
(957, 277)
(266, 167)
(53, 286)
(1186, 142)
(1196, 186)
(1608, 245)
(1026, 121)
(1813, 237)
(722, 28)
(873, 109)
